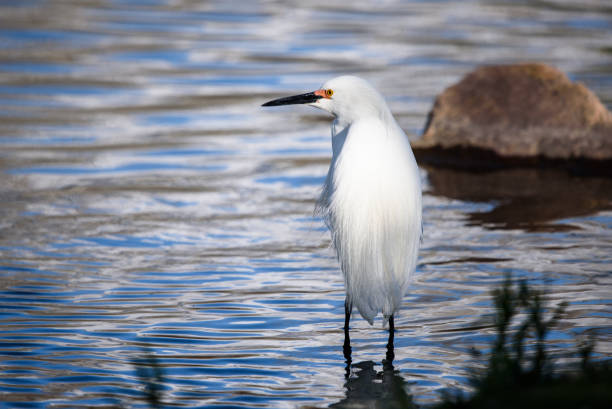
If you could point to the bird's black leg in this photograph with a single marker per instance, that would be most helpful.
(390, 351)
(347, 339)
(347, 314)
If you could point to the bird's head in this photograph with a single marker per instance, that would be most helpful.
(348, 98)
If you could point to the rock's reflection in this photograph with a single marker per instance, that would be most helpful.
(525, 198)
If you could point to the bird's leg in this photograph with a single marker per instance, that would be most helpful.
(347, 339)
(348, 306)
(390, 351)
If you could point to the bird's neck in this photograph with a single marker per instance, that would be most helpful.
(339, 125)
(343, 122)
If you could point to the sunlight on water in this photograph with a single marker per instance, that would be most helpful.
(149, 204)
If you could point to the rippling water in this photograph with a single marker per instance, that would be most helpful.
(149, 204)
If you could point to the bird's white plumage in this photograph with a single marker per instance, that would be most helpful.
(371, 199)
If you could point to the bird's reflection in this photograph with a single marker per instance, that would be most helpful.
(346, 348)
(368, 388)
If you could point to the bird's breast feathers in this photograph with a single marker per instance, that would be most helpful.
(375, 195)
(373, 206)
(375, 165)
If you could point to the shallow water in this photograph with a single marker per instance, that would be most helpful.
(150, 206)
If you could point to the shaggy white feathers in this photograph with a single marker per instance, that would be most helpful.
(371, 200)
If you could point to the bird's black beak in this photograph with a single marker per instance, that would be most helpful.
(296, 99)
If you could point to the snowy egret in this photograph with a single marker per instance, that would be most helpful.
(371, 199)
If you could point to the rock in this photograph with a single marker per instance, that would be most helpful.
(519, 111)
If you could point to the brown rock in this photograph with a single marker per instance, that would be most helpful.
(525, 110)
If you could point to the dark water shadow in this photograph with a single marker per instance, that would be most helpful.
(368, 388)
(151, 377)
(524, 198)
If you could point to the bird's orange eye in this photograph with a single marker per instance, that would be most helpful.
(329, 93)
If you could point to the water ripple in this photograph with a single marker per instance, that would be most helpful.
(155, 217)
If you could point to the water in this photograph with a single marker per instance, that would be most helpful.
(149, 204)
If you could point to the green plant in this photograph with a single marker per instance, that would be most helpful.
(516, 378)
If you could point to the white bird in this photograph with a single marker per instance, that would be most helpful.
(371, 199)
